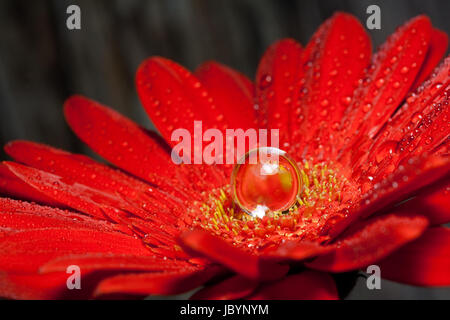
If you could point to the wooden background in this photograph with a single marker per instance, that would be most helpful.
(42, 63)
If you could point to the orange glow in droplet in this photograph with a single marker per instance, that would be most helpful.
(266, 180)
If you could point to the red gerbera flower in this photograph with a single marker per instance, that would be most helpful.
(366, 136)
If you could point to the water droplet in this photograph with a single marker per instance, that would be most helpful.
(265, 180)
(367, 107)
(346, 100)
(416, 117)
(333, 73)
(379, 83)
(437, 86)
(336, 125)
(266, 81)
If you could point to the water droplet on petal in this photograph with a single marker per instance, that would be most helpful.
(416, 117)
(333, 73)
(324, 103)
(266, 81)
(404, 70)
(265, 180)
(379, 83)
(367, 107)
(346, 100)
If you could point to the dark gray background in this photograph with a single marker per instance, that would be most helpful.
(42, 63)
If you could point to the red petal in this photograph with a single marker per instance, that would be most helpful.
(419, 127)
(237, 260)
(232, 92)
(233, 288)
(90, 262)
(48, 286)
(277, 86)
(369, 243)
(405, 182)
(436, 51)
(14, 187)
(88, 172)
(434, 204)
(424, 262)
(36, 287)
(95, 202)
(411, 178)
(117, 139)
(308, 285)
(19, 215)
(433, 127)
(66, 191)
(174, 98)
(334, 60)
(26, 251)
(167, 283)
(389, 79)
(296, 250)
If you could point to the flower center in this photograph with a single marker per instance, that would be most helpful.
(266, 180)
(323, 196)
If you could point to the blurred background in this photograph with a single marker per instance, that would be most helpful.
(42, 62)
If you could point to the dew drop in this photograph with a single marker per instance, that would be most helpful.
(324, 103)
(266, 81)
(287, 101)
(379, 83)
(346, 100)
(367, 107)
(265, 180)
(416, 117)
